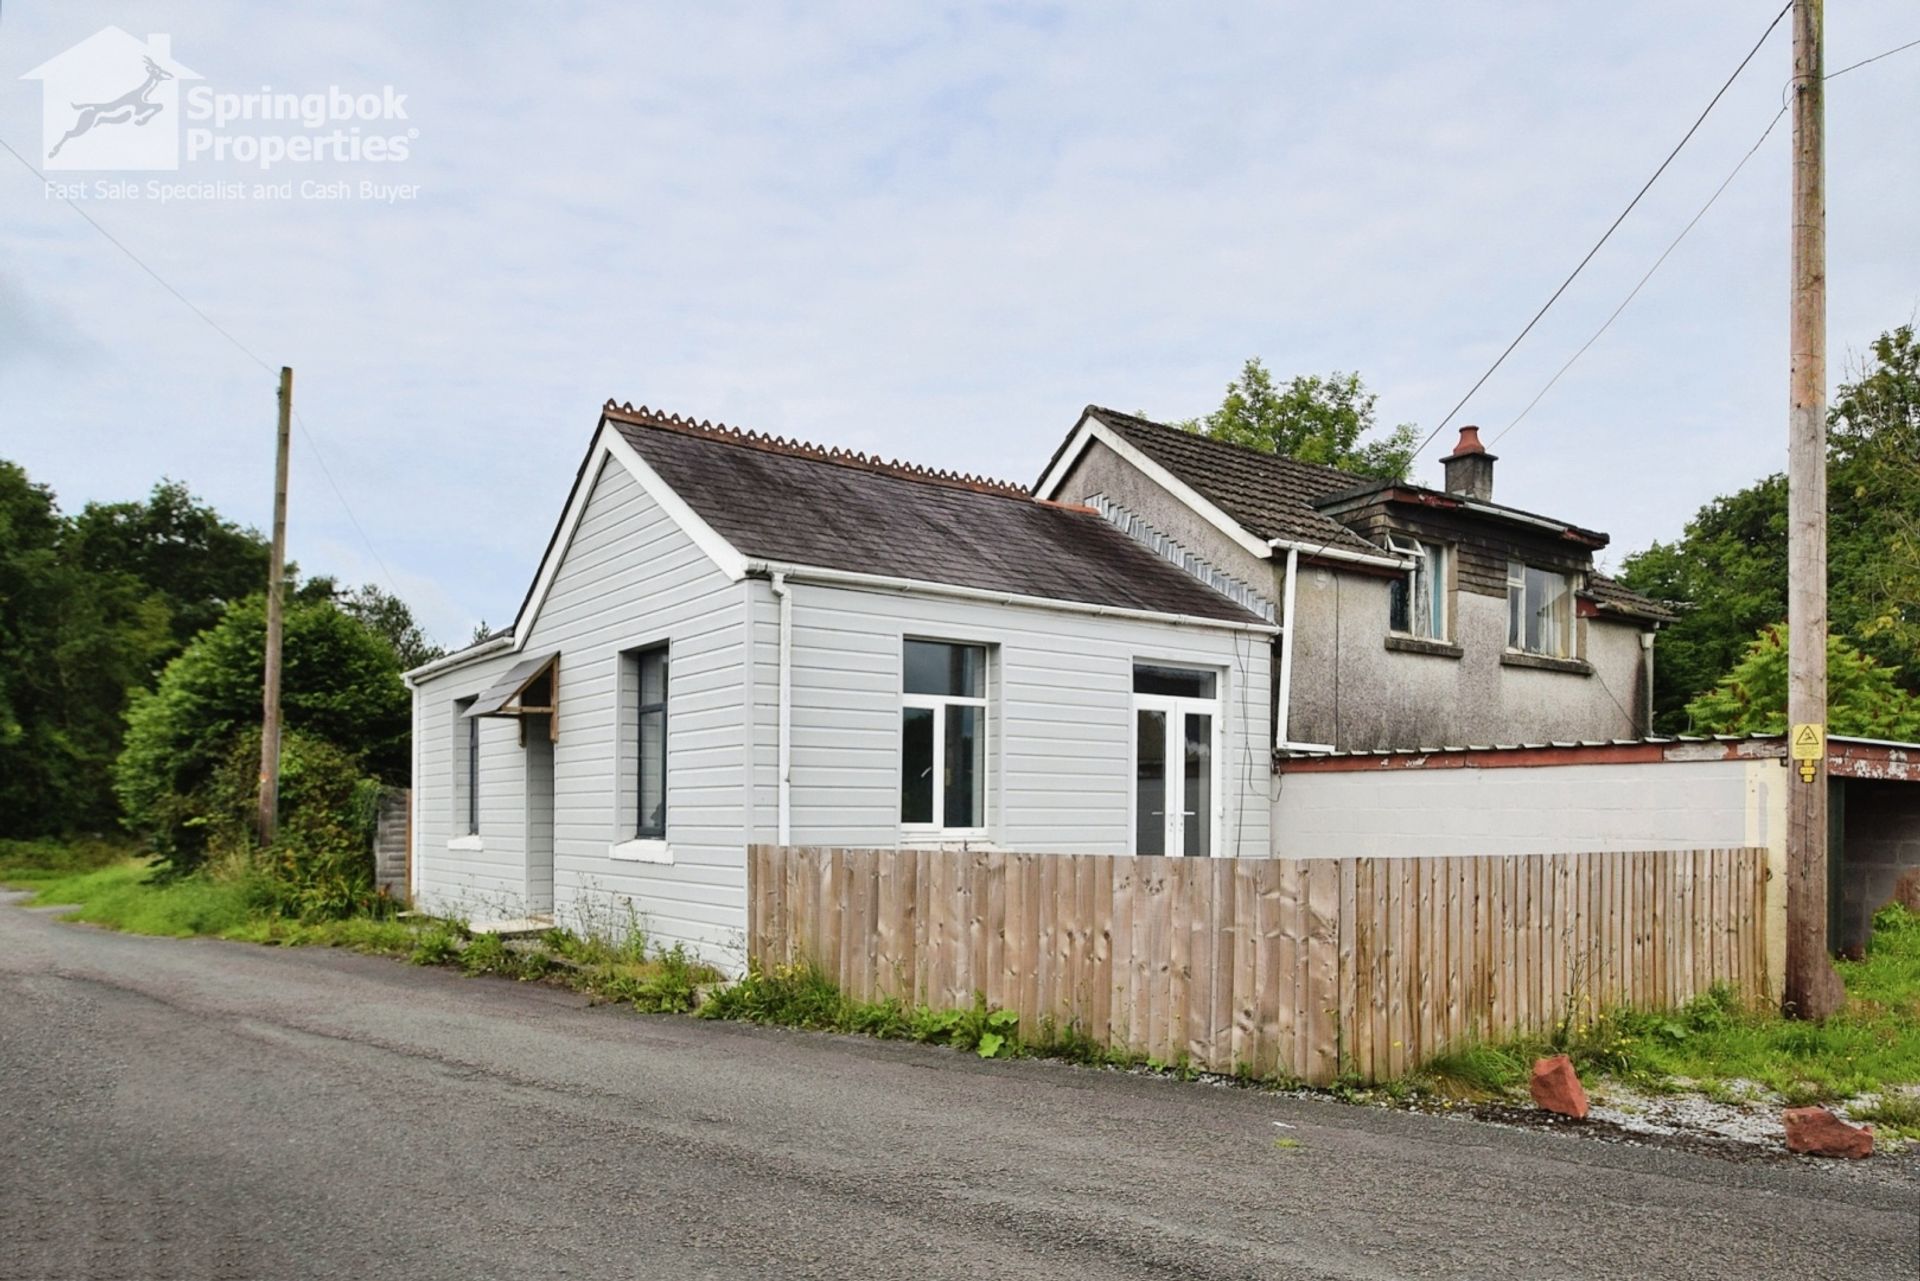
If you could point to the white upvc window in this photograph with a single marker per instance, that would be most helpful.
(1417, 601)
(943, 739)
(1539, 610)
(1177, 797)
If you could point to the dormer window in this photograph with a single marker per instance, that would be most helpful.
(1539, 610)
(1417, 601)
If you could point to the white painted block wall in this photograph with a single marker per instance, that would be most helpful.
(1544, 809)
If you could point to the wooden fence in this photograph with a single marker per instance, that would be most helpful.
(1306, 967)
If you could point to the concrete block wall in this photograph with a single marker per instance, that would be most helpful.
(390, 843)
(1882, 845)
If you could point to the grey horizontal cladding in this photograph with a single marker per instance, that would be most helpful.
(1059, 726)
(629, 576)
(1184, 558)
(472, 883)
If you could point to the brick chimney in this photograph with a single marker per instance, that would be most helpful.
(1470, 467)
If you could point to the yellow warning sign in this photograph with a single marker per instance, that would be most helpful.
(1808, 743)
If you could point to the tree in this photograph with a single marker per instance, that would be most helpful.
(178, 546)
(1876, 440)
(382, 613)
(1312, 419)
(341, 684)
(1863, 698)
(1728, 570)
(71, 642)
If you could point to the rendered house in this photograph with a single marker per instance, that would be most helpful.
(734, 639)
(1414, 617)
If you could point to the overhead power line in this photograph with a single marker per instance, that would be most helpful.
(1668, 251)
(1606, 235)
(306, 433)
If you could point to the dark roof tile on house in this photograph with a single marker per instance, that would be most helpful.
(1270, 496)
(792, 503)
(1615, 598)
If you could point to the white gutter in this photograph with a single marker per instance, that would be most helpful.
(1320, 551)
(885, 582)
(472, 653)
(785, 595)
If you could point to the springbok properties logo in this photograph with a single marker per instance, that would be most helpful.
(112, 102)
(117, 102)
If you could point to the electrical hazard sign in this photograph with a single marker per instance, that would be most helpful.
(1807, 744)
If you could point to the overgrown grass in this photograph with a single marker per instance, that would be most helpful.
(29, 864)
(126, 896)
(1712, 1043)
(803, 996)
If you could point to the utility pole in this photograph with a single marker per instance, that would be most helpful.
(276, 607)
(1813, 988)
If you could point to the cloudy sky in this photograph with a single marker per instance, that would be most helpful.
(935, 234)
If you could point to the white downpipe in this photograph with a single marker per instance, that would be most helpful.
(785, 595)
(1283, 712)
(1287, 621)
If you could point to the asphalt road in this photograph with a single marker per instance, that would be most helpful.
(213, 1110)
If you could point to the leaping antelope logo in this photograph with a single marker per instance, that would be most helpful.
(136, 106)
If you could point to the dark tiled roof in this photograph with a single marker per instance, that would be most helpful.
(781, 501)
(1613, 598)
(1270, 496)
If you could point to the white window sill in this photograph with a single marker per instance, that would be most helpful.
(465, 843)
(642, 852)
(927, 838)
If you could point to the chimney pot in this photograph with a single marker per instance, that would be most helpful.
(1469, 467)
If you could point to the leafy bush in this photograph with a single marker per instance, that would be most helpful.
(341, 684)
(320, 865)
(1862, 696)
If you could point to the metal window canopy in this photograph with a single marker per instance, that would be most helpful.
(531, 687)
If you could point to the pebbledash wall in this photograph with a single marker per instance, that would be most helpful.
(1353, 689)
(1060, 730)
(1518, 802)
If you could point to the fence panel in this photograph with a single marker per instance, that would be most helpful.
(1300, 967)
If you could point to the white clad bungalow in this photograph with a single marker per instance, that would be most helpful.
(734, 639)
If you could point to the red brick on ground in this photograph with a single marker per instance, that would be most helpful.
(1556, 1087)
(1820, 1133)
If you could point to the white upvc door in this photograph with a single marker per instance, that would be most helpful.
(1177, 799)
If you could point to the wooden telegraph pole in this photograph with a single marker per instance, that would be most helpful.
(276, 606)
(1813, 988)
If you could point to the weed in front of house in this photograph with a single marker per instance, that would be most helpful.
(439, 944)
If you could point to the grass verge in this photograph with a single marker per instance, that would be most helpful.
(102, 884)
(1714, 1046)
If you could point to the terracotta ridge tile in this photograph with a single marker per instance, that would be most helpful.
(624, 411)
